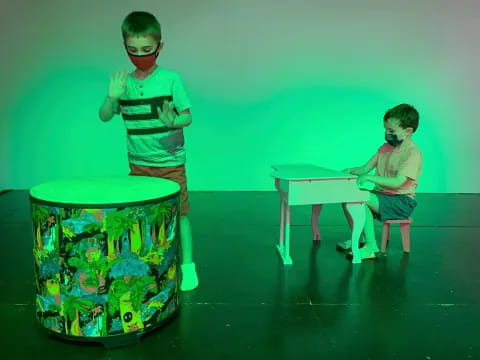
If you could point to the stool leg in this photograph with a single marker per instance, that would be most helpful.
(385, 236)
(405, 231)
(315, 214)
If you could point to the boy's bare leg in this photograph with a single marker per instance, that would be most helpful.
(369, 229)
(347, 245)
(189, 273)
(186, 240)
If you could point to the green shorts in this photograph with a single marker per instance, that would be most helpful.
(394, 207)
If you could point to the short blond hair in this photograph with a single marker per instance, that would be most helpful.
(141, 23)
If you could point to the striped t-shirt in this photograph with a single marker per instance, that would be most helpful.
(149, 141)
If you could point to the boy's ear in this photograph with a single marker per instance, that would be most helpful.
(160, 47)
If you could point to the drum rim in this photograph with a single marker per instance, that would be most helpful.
(84, 205)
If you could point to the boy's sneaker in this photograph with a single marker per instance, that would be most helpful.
(345, 246)
(366, 253)
(189, 277)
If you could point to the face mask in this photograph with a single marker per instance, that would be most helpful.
(392, 139)
(144, 62)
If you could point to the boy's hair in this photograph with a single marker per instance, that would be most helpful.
(407, 116)
(141, 23)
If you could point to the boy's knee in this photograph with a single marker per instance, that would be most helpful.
(372, 200)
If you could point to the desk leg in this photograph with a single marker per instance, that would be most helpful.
(282, 223)
(284, 245)
(357, 213)
(315, 214)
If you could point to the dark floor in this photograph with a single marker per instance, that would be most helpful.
(425, 305)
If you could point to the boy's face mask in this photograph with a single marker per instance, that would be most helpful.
(144, 62)
(392, 139)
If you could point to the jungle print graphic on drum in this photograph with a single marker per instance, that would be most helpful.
(102, 272)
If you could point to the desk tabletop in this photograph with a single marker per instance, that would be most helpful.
(307, 172)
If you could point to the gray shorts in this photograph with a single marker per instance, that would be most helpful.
(394, 207)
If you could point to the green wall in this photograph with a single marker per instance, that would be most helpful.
(270, 82)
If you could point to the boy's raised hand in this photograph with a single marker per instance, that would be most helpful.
(167, 114)
(118, 84)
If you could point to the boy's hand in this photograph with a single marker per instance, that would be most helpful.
(167, 116)
(118, 84)
(353, 171)
(361, 180)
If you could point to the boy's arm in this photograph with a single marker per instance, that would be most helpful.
(183, 119)
(385, 182)
(409, 170)
(364, 169)
(117, 86)
(172, 119)
(181, 102)
(109, 108)
(370, 165)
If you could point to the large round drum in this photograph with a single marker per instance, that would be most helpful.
(106, 255)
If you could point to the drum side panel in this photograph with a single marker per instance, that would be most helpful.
(102, 272)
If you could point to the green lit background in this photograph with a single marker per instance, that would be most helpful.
(271, 82)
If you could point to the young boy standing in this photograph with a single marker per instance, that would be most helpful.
(155, 108)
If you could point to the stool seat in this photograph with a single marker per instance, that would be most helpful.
(404, 230)
(404, 221)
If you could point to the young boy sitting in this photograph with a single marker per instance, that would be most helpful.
(398, 165)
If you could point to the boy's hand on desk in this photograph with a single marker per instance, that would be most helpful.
(167, 116)
(361, 180)
(353, 171)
